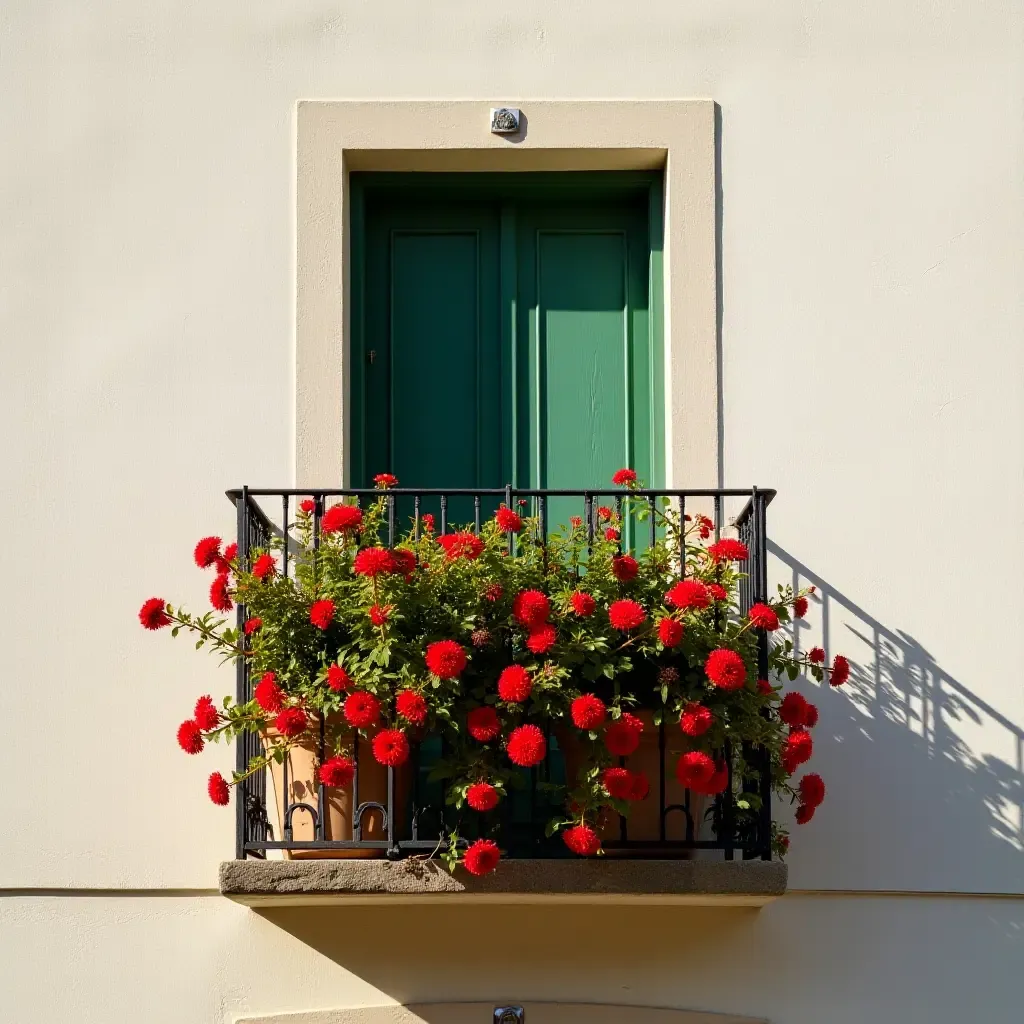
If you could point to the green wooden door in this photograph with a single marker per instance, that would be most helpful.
(502, 330)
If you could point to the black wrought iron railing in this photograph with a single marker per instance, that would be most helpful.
(413, 816)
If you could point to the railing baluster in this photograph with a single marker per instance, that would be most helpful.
(416, 517)
(476, 513)
(241, 686)
(284, 536)
(444, 514)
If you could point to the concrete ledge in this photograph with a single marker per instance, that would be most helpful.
(750, 883)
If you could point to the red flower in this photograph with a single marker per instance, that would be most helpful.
(482, 857)
(641, 787)
(446, 659)
(687, 594)
(526, 746)
(462, 544)
(483, 724)
(811, 790)
(582, 840)
(717, 591)
(263, 567)
(428, 522)
(588, 712)
(625, 568)
(342, 517)
(268, 694)
(717, 783)
(811, 716)
(618, 782)
(153, 614)
(321, 613)
(817, 656)
(793, 709)
(482, 796)
(412, 706)
(705, 526)
(804, 814)
(763, 616)
(670, 632)
(337, 678)
(217, 788)
(541, 639)
(840, 671)
(514, 684)
(604, 513)
(728, 550)
(696, 719)
(622, 736)
(190, 737)
(373, 562)
(798, 746)
(380, 613)
(695, 769)
(624, 477)
(291, 722)
(575, 522)
(307, 505)
(225, 560)
(361, 710)
(206, 715)
(725, 668)
(493, 592)
(219, 596)
(405, 562)
(611, 533)
(799, 607)
(338, 772)
(764, 687)
(385, 480)
(582, 604)
(507, 520)
(207, 552)
(252, 625)
(626, 615)
(531, 608)
(391, 747)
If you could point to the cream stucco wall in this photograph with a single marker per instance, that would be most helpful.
(872, 253)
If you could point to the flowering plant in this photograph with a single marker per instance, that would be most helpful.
(493, 639)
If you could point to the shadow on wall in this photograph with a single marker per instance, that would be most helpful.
(913, 804)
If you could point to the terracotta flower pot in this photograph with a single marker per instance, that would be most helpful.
(303, 762)
(643, 823)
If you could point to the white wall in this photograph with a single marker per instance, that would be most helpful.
(872, 249)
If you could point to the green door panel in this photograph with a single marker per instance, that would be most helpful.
(502, 332)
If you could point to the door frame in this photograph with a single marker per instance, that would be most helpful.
(676, 137)
(504, 189)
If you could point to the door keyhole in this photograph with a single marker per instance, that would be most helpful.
(372, 356)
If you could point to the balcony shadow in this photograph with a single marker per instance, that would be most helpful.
(915, 802)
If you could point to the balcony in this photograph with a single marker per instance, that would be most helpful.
(298, 842)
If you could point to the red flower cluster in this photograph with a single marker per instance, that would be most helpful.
(252, 625)
(217, 788)
(728, 550)
(264, 566)
(797, 749)
(526, 746)
(483, 724)
(337, 678)
(625, 568)
(514, 684)
(269, 696)
(291, 722)
(588, 712)
(307, 505)
(670, 632)
(375, 561)
(361, 710)
(153, 614)
(840, 671)
(461, 544)
(582, 840)
(793, 709)
(531, 608)
(391, 747)
(385, 480)
(482, 857)
(337, 772)
(717, 592)
(507, 520)
(412, 706)
(725, 669)
(700, 773)
(493, 592)
(380, 613)
(582, 603)
(207, 552)
(190, 737)
(341, 517)
(612, 534)
(812, 790)
(816, 656)
(206, 715)
(626, 614)
(482, 796)
(541, 639)
(799, 607)
(696, 719)
(428, 522)
(219, 596)
(321, 613)
(623, 784)
(604, 513)
(446, 659)
(763, 616)
(622, 737)
(688, 594)
(624, 477)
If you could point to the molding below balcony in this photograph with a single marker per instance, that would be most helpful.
(281, 883)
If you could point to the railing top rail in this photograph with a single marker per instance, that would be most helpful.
(497, 492)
